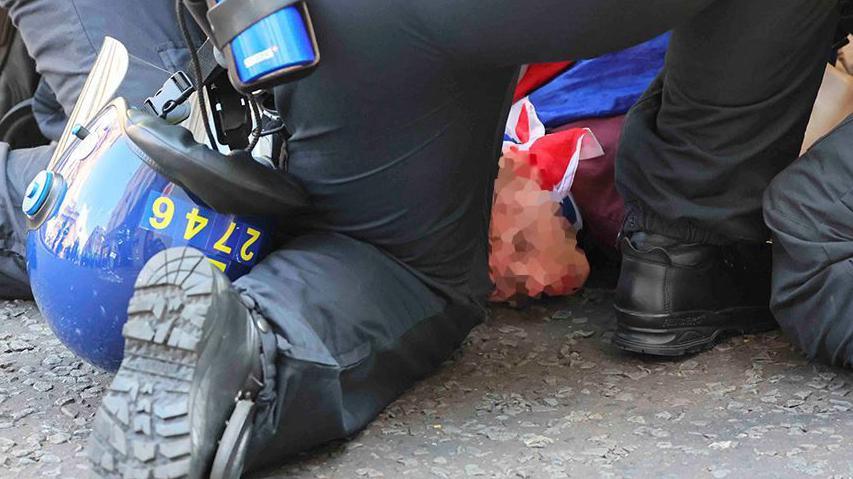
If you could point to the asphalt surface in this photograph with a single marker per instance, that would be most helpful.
(536, 393)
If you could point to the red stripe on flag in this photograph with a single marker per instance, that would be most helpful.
(536, 76)
(522, 128)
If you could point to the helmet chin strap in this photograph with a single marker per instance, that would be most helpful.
(228, 117)
(196, 69)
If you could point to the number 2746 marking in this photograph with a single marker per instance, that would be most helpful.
(163, 214)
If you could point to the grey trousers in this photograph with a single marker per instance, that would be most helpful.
(64, 37)
(809, 208)
(396, 136)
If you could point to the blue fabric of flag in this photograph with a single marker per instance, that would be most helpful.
(600, 87)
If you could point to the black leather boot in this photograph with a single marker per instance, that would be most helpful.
(182, 398)
(675, 298)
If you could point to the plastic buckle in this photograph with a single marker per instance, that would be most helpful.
(173, 94)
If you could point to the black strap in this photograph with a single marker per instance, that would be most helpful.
(232, 121)
(198, 9)
(180, 86)
(210, 68)
(232, 17)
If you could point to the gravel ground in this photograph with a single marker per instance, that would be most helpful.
(538, 393)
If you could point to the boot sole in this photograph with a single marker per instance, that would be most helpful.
(142, 428)
(681, 341)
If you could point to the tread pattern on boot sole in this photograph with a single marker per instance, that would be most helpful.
(627, 340)
(142, 428)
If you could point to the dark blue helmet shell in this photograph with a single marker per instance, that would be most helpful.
(107, 213)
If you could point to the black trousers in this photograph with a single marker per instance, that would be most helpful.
(809, 208)
(725, 116)
(396, 136)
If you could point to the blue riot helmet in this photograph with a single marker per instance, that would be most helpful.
(264, 43)
(102, 210)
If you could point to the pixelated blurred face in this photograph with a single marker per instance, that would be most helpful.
(533, 247)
